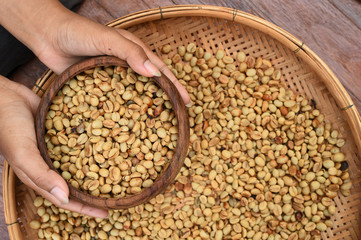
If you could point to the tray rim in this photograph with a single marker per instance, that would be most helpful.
(332, 83)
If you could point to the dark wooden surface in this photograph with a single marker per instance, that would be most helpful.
(331, 28)
(164, 180)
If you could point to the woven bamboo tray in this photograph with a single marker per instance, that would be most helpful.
(217, 27)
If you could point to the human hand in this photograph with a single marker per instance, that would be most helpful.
(69, 41)
(58, 41)
(18, 105)
(59, 38)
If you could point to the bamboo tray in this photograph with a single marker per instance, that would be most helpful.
(218, 27)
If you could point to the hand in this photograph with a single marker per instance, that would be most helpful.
(59, 41)
(18, 105)
(70, 41)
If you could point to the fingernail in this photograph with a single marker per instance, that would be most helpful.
(60, 195)
(189, 104)
(152, 69)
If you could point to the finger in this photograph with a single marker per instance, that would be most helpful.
(160, 65)
(39, 176)
(121, 47)
(30, 167)
(72, 205)
(19, 147)
(75, 206)
(28, 160)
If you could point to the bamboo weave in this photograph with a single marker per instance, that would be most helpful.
(232, 30)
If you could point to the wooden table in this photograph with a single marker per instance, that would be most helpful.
(331, 28)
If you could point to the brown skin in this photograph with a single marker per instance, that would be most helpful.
(59, 38)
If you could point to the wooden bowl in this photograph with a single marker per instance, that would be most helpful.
(165, 178)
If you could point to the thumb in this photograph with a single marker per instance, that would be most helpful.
(35, 173)
(123, 48)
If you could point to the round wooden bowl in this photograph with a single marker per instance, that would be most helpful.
(170, 171)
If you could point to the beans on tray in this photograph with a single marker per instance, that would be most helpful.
(262, 164)
(110, 132)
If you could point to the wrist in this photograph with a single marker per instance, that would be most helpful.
(54, 16)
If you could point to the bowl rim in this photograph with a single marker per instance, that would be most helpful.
(167, 175)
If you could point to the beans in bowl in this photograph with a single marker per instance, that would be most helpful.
(110, 132)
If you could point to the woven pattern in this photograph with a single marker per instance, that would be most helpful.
(212, 34)
(26, 209)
